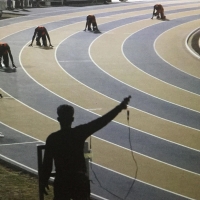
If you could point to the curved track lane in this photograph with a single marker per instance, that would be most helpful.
(36, 89)
(189, 65)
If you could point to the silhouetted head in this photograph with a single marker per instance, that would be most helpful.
(65, 115)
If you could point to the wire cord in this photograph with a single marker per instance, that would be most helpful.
(135, 161)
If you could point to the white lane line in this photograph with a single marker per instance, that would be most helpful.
(90, 110)
(98, 93)
(99, 196)
(89, 88)
(19, 164)
(1, 135)
(8, 97)
(27, 107)
(35, 171)
(115, 79)
(141, 181)
(11, 160)
(111, 142)
(19, 143)
(135, 152)
(53, 21)
(78, 61)
(31, 169)
(43, 13)
(143, 72)
(186, 46)
(94, 109)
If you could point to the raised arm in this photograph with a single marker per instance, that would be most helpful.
(97, 124)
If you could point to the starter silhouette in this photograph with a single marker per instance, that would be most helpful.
(66, 148)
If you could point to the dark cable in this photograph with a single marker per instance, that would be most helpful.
(102, 186)
(131, 148)
(97, 178)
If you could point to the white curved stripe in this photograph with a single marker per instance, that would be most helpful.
(88, 111)
(141, 181)
(87, 87)
(114, 77)
(187, 46)
(19, 164)
(18, 143)
(145, 73)
(167, 61)
(135, 152)
(30, 15)
(95, 113)
(113, 145)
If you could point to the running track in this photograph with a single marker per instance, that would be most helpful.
(134, 55)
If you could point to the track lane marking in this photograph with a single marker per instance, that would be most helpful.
(19, 143)
(188, 100)
(189, 65)
(154, 125)
(142, 181)
(15, 28)
(114, 152)
(188, 46)
(149, 171)
(11, 29)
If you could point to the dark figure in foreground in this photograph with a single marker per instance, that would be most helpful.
(66, 148)
(159, 12)
(41, 32)
(91, 20)
(4, 52)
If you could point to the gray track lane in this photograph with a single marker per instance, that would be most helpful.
(113, 183)
(18, 147)
(151, 63)
(44, 12)
(26, 155)
(40, 99)
(69, 51)
(54, 11)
